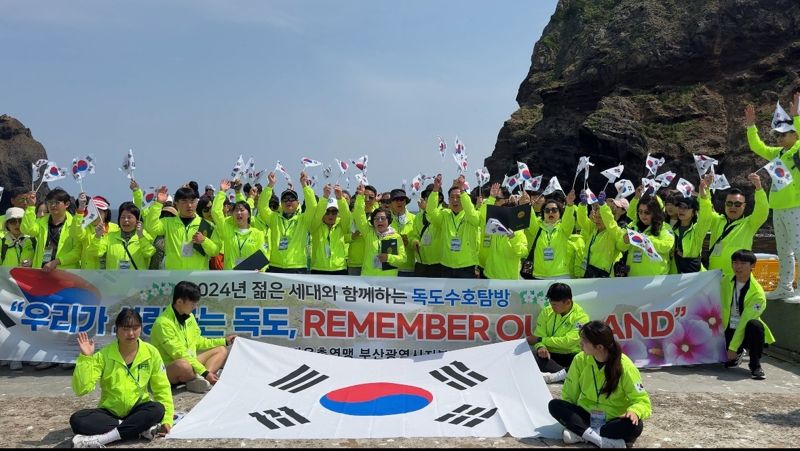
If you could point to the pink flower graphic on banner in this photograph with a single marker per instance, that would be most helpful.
(635, 349)
(646, 353)
(690, 343)
(707, 310)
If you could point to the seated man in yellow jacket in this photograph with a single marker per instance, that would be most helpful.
(743, 302)
(556, 339)
(190, 358)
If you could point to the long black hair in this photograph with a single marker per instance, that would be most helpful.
(598, 333)
(656, 215)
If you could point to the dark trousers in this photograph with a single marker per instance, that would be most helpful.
(423, 270)
(467, 272)
(341, 272)
(287, 270)
(99, 421)
(753, 341)
(577, 420)
(555, 363)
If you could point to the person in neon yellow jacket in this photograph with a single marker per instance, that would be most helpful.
(556, 338)
(601, 233)
(355, 250)
(125, 368)
(743, 302)
(96, 230)
(785, 202)
(402, 223)
(603, 401)
(128, 247)
(288, 227)
(55, 246)
(505, 252)
(185, 246)
(17, 249)
(190, 357)
(694, 222)
(375, 233)
(733, 230)
(484, 239)
(240, 239)
(548, 241)
(651, 224)
(330, 231)
(460, 227)
(426, 240)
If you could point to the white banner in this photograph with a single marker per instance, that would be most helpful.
(663, 320)
(269, 391)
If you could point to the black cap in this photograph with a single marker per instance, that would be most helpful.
(288, 194)
(399, 194)
(690, 202)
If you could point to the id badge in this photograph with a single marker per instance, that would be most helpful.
(328, 250)
(637, 256)
(598, 420)
(48, 255)
(455, 244)
(124, 264)
(187, 250)
(717, 251)
(549, 254)
(487, 241)
(426, 239)
(283, 244)
(734, 321)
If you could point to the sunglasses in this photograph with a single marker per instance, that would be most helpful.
(736, 204)
(551, 210)
(289, 199)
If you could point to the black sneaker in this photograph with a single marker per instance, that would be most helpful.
(757, 374)
(735, 362)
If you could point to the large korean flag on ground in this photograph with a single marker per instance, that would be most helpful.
(269, 391)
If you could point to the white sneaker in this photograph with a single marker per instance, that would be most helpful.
(150, 434)
(86, 441)
(15, 365)
(612, 443)
(779, 293)
(198, 385)
(552, 378)
(793, 299)
(570, 437)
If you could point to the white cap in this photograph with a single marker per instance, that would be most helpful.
(169, 198)
(210, 187)
(14, 213)
(332, 203)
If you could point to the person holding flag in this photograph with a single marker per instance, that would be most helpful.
(505, 249)
(601, 233)
(92, 224)
(239, 238)
(549, 241)
(355, 251)
(55, 246)
(378, 258)
(402, 223)
(426, 241)
(650, 222)
(785, 201)
(125, 247)
(288, 227)
(330, 233)
(694, 222)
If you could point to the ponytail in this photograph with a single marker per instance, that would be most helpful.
(598, 333)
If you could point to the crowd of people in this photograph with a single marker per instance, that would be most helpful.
(372, 233)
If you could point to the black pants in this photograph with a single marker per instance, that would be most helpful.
(577, 420)
(99, 421)
(287, 270)
(423, 270)
(753, 341)
(555, 363)
(467, 272)
(341, 272)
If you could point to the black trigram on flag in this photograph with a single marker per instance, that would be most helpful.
(281, 417)
(467, 415)
(299, 380)
(458, 376)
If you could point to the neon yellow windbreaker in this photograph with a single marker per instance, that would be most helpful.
(585, 380)
(90, 257)
(16, 250)
(460, 231)
(329, 244)
(429, 239)
(504, 256)
(68, 250)
(555, 238)
(118, 252)
(755, 302)
(122, 389)
(692, 238)
(293, 231)
(372, 244)
(600, 248)
(560, 333)
(638, 261)
(740, 236)
(176, 235)
(405, 230)
(355, 250)
(484, 240)
(238, 245)
(175, 342)
(789, 196)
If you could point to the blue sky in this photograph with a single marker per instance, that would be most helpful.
(191, 84)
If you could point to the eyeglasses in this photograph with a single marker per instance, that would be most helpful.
(53, 203)
(644, 212)
(381, 218)
(736, 204)
(551, 210)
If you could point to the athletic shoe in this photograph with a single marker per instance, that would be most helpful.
(779, 293)
(793, 299)
(552, 378)
(150, 433)
(570, 437)
(735, 362)
(86, 441)
(15, 365)
(198, 385)
(758, 374)
(44, 366)
(606, 442)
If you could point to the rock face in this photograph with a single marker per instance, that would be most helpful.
(18, 150)
(618, 79)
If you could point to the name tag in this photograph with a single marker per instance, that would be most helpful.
(597, 420)
(124, 264)
(717, 251)
(455, 245)
(426, 239)
(187, 250)
(487, 241)
(549, 254)
(283, 244)
(637, 256)
(48, 255)
(328, 250)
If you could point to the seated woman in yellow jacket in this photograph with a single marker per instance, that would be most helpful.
(127, 247)
(239, 239)
(650, 223)
(375, 233)
(125, 368)
(603, 401)
(548, 241)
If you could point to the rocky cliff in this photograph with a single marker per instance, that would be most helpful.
(18, 150)
(618, 79)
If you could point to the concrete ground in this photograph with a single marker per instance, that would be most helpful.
(698, 406)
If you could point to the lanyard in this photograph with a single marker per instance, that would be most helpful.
(596, 390)
(553, 333)
(591, 243)
(287, 230)
(682, 232)
(241, 244)
(458, 226)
